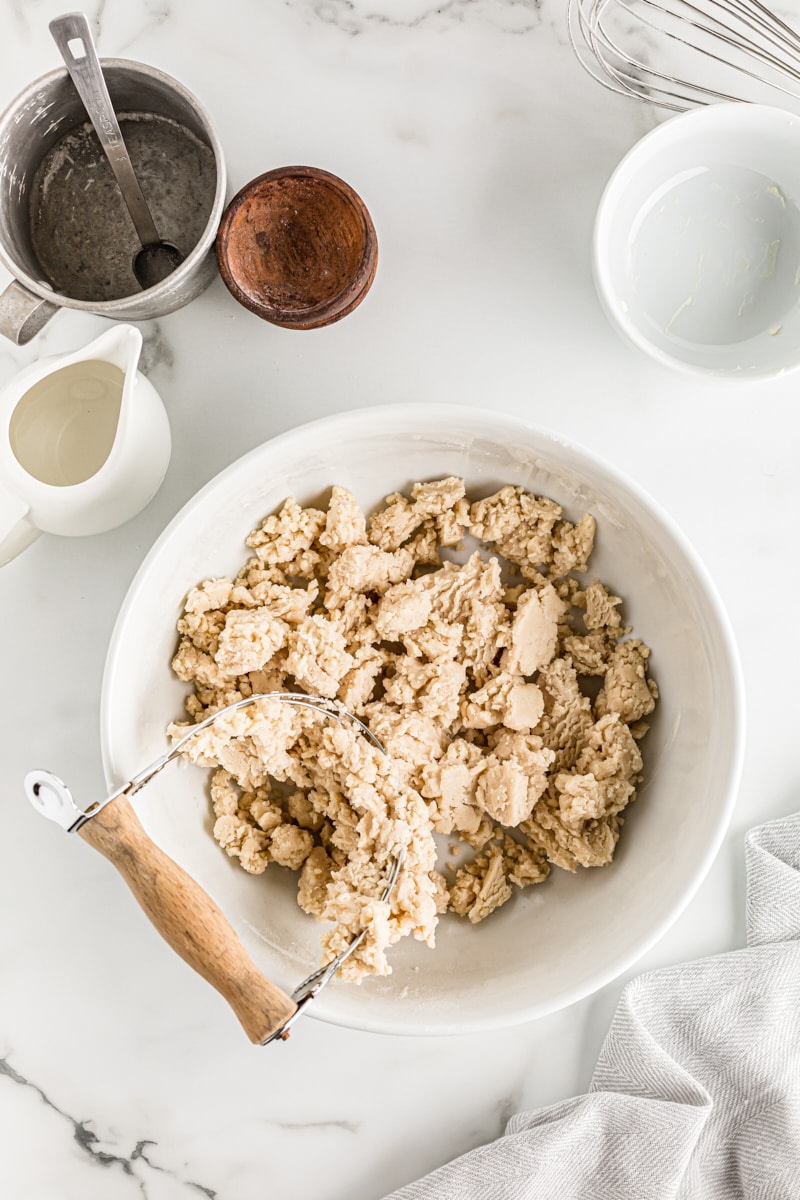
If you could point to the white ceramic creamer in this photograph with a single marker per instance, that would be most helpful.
(84, 443)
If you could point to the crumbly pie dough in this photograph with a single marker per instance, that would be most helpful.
(476, 676)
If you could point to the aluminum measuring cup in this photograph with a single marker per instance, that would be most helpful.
(29, 128)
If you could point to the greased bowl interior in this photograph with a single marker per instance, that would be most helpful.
(716, 187)
(550, 944)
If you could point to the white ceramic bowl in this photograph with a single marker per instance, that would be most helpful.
(697, 242)
(551, 944)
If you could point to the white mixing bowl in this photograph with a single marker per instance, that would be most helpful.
(551, 944)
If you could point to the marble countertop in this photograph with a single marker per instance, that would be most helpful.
(481, 150)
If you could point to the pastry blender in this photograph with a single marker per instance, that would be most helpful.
(181, 911)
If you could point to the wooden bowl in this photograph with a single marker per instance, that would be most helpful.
(297, 247)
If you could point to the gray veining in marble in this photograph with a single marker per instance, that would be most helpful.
(482, 150)
(356, 17)
(87, 1139)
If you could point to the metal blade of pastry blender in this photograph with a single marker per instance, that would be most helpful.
(71, 33)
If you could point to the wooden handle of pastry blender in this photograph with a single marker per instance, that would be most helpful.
(188, 919)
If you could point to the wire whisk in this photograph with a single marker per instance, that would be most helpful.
(681, 53)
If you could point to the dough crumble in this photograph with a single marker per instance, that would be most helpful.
(506, 689)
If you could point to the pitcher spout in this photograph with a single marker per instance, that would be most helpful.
(120, 345)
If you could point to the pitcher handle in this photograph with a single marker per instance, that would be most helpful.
(23, 314)
(17, 530)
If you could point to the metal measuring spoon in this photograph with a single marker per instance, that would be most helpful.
(157, 259)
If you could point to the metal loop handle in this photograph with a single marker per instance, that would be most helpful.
(23, 314)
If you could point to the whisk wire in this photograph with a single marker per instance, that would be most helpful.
(741, 36)
(770, 16)
(629, 78)
(717, 31)
(749, 20)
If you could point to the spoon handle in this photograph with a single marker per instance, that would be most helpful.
(73, 37)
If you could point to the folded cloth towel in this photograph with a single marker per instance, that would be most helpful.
(696, 1095)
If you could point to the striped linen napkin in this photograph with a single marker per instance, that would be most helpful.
(696, 1095)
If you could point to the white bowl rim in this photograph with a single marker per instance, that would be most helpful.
(715, 116)
(417, 416)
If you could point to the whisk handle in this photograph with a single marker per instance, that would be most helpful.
(188, 919)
